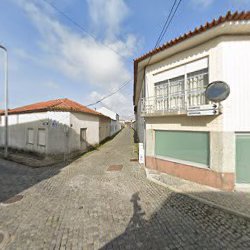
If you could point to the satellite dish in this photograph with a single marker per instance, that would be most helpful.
(217, 91)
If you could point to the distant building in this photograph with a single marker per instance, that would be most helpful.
(55, 127)
(115, 125)
(213, 147)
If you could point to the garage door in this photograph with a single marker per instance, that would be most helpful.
(243, 158)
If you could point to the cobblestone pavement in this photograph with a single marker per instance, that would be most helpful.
(83, 206)
(237, 202)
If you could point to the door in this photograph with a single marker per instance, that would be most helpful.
(243, 158)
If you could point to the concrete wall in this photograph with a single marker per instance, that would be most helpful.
(235, 71)
(18, 127)
(78, 121)
(115, 127)
(104, 128)
(140, 123)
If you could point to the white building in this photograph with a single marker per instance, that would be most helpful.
(55, 127)
(210, 149)
(115, 123)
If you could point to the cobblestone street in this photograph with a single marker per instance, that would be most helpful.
(85, 206)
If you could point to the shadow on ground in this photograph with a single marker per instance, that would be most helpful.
(15, 178)
(182, 223)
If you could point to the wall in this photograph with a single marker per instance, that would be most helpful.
(78, 121)
(18, 126)
(111, 114)
(104, 128)
(115, 127)
(140, 124)
(236, 61)
(57, 138)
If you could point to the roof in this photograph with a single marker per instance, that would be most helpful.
(236, 16)
(54, 105)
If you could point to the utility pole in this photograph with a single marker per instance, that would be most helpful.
(5, 99)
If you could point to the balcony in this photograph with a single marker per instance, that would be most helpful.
(173, 104)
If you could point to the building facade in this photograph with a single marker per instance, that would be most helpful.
(55, 127)
(115, 125)
(210, 148)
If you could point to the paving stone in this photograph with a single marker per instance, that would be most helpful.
(83, 206)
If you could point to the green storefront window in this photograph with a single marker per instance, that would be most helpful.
(183, 145)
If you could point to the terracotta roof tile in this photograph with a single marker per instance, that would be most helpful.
(244, 15)
(54, 105)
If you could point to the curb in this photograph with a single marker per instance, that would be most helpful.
(210, 203)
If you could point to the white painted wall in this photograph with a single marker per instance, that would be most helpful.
(140, 123)
(78, 121)
(115, 125)
(111, 114)
(20, 123)
(236, 61)
(104, 128)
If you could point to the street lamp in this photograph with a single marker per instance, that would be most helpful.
(5, 99)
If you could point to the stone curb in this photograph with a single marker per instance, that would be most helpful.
(210, 203)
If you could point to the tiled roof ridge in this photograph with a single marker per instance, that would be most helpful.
(236, 16)
(62, 104)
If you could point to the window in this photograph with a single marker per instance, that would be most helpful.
(83, 134)
(170, 94)
(196, 83)
(186, 146)
(30, 136)
(178, 93)
(41, 137)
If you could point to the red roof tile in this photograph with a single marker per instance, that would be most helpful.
(54, 105)
(244, 15)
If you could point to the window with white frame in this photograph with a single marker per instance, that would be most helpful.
(41, 137)
(30, 136)
(176, 94)
(196, 83)
(170, 94)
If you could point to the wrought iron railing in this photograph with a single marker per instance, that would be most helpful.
(176, 103)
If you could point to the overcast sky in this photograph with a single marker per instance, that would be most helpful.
(51, 58)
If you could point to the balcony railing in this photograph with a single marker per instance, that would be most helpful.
(173, 104)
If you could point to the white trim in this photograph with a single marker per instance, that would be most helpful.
(190, 163)
(242, 187)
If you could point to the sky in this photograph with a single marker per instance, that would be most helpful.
(51, 58)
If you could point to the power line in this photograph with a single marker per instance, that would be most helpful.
(79, 26)
(112, 93)
(171, 19)
(164, 26)
(163, 32)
